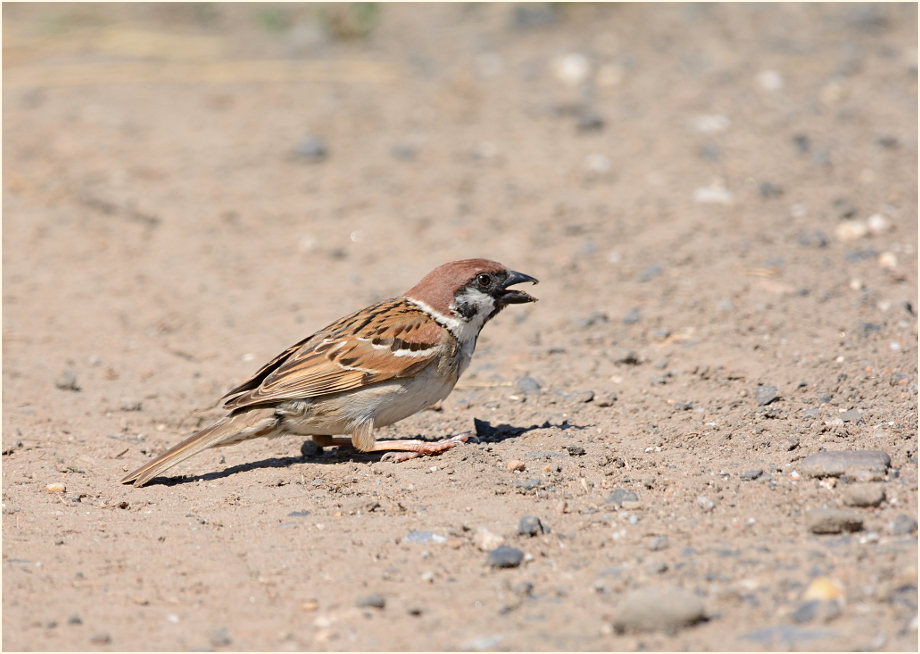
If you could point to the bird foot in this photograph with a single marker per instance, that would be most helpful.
(414, 448)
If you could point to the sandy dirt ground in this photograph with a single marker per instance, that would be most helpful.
(720, 203)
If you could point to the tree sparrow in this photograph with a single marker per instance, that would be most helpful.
(370, 369)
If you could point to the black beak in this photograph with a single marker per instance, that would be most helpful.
(513, 296)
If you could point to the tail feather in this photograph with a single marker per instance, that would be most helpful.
(226, 431)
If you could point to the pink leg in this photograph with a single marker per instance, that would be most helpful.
(407, 449)
(410, 449)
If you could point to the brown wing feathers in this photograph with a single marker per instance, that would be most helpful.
(355, 351)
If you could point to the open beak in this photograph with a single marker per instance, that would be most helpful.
(514, 296)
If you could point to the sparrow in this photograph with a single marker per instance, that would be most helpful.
(367, 370)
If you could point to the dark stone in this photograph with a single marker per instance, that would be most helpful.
(802, 143)
(312, 149)
(765, 395)
(528, 484)
(530, 525)
(866, 328)
(887, 141)
(575, 450)
(298, 514)
(534, 16)
(220, 638)
(371, 601)
(504, 556)
(751, 475)
(75, 619)
(628, 357)
(589, 121)
(310, 449)
(770, 190)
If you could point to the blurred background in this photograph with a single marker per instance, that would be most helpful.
(717, 198)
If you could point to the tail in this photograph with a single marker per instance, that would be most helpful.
(226, 431)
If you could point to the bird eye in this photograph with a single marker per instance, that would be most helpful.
(483, 279)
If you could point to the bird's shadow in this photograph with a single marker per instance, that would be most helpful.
(484, 433)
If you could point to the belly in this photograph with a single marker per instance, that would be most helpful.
(384, 403)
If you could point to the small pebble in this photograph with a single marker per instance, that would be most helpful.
(575, 450)
(55, 488)
(101, 639)
(812, 610)
(863, 494)
(862, 465)
(823, 588)
(650, 272)
(657, 543)
(75, 619)
(131, 405)
(620, 495)
(504, 556)
(903, 525)
(422, 536)
(371, 601)
(605, 400)
(632, 317)
(310, 448)
(67, 381)
(765, 395)
(485, 540)
(712, 195)
(527, 385)
(530, 525)
(656, 567)
(770, 190)
(589, 121)
(705, 503)
(832, 521)
(663, 608)
(814, 239)
(751, 475)
(220, 638)
(515, 466)
(312, 149)
(584, 397)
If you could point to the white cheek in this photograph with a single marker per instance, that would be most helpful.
(484, 305)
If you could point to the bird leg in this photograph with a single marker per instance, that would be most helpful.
(407, 449)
